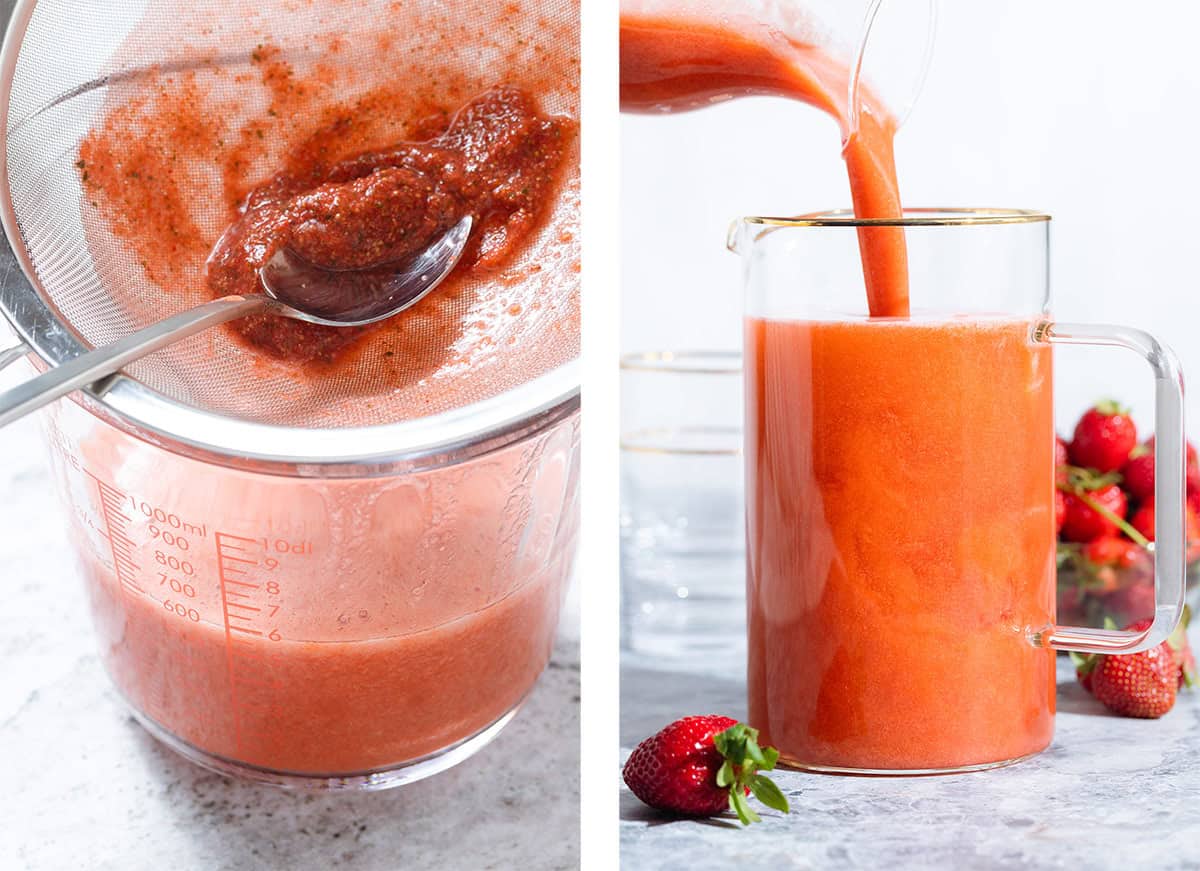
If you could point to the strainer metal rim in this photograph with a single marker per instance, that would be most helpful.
(450, 437)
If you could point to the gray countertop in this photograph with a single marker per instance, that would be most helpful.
(1108, 793)
(83, 786)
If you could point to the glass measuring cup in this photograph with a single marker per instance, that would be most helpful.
(349, 626)
(900, 494)
(314, 579)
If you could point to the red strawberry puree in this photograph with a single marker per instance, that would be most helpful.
(896, 561)
(498, 160)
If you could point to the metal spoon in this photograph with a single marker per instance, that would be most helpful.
(292, 288)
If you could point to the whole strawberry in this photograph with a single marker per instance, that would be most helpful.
(1193, 456)
(1192, 531)
(1112, 550)
(1178, 642)
(1192, 467)
(1187, 665)
(1142, 684)
(1139, 473)
(1139, 684)
(1104, 437)
(1084, 513)
(699, 766)
(1143, 521)
(1061, 457)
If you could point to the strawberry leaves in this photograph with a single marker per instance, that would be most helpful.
(744, 758)
(1109, 407)
(768, 793)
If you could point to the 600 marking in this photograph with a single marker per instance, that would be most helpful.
(182, 610)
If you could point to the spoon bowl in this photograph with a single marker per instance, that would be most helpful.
(355, 298)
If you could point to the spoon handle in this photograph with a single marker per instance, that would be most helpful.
(96, 364)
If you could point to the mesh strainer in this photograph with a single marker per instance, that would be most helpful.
(485, 357)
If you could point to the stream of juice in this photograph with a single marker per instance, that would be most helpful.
(680, 62)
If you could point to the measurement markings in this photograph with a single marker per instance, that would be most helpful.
(248, 599)
(233, 680)
(250, 582)
(119, 542)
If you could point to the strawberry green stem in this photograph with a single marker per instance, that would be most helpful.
(1107, 513)
(744, 758)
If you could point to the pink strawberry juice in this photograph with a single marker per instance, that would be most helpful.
(319, 626)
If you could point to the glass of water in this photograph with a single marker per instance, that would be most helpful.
(682, 521)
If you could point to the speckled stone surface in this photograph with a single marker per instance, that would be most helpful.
(83, 786)
(1108, 793)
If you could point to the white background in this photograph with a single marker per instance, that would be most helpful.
(1087, 111)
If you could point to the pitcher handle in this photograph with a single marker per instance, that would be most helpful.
(1170, 544)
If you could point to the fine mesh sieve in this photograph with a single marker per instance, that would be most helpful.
(241, 89)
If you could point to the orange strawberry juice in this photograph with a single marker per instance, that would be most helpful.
(900, 541)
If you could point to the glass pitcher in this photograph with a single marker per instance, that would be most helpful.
(900, 494)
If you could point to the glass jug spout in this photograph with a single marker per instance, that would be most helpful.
(733, 236)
